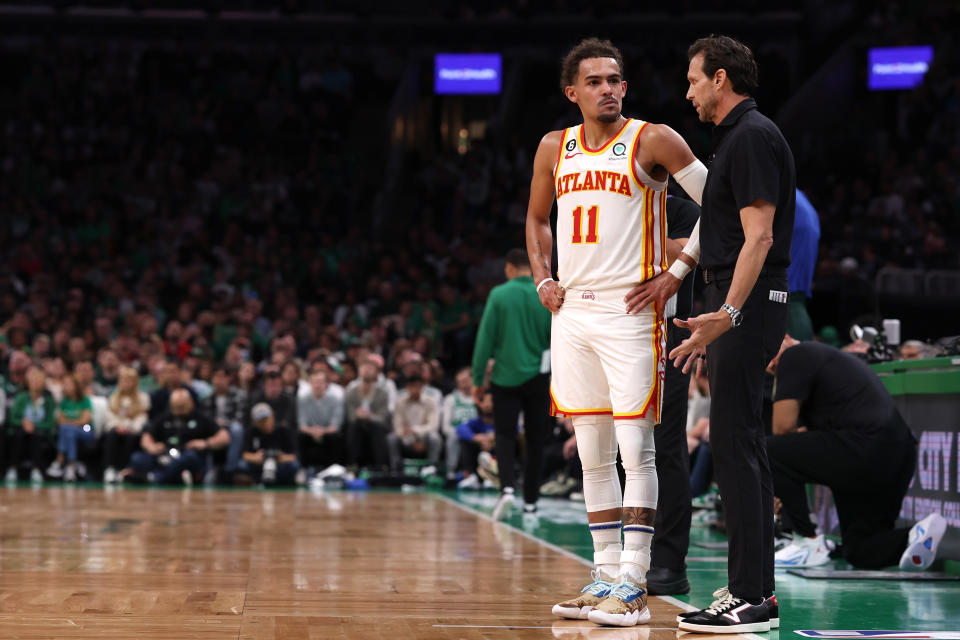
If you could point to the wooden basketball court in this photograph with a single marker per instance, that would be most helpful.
(146, 563)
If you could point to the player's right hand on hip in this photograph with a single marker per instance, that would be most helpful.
(551, 296)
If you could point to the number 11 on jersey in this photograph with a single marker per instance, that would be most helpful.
(591, 238)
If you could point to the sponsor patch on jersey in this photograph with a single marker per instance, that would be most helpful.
(779, 296)
(620, 149)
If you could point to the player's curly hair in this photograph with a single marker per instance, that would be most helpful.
(589, 48)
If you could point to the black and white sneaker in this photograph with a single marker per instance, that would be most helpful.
(729, 614)
(773, 608)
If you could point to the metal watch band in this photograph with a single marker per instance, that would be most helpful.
(735, 316)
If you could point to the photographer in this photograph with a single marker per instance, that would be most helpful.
(269, 452)
(174, 443)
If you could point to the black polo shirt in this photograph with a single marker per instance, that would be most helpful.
(751, 161)
(682, 216)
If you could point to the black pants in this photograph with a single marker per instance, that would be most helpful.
(367, 443)
(40, 445)
(736, 362)
(671, 537)
(533, 398)
(118, 447)
(320, 453)
(868, 478)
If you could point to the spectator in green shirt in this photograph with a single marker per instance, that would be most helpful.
(515, 332)
(75, 417)
(34, 422)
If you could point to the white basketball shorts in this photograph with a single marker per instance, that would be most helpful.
(604, 360)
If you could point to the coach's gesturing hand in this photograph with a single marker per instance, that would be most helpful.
(551, 295)
(704, 329)
(656, 290)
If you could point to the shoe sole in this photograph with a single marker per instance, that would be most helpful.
(774, 622)
(620, 619)
(917, 550)
(752, 627)
(571, 613)
(783, 565)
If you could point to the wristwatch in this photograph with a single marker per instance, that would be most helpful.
(736, 318)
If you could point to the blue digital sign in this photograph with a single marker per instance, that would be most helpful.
(467, 73)
(898, 67)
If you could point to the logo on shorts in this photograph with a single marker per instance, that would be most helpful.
(779, 296)
(662, 368)
(619, 149)
(588, 295)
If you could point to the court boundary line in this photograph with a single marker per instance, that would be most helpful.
(569, 554)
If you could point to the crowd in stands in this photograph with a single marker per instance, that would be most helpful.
(200, 220)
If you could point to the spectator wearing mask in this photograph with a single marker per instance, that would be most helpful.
(367, 412)
(320, 416)
(126, 417)
(835, 424)
(416, 426)
(75, 418)
(33, 420)
(270, 453)
(227, 407)
(174, 444)
(458, 407)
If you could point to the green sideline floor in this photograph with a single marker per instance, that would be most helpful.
(804, 603)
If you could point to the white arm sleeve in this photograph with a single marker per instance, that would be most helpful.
(692, 178)
(692, 248)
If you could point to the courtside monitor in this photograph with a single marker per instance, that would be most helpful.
(898, 67)
(467, 73)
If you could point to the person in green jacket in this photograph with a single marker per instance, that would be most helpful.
(33, 418)
(515, 332)
(75, 417)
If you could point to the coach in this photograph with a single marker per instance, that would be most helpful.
(745, 230)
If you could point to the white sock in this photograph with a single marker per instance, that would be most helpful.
(635, 558)
(606, 548)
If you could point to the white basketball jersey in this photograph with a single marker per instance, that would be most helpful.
(611, 226)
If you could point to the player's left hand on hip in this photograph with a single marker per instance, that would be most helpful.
(656, 290)
(704, 328)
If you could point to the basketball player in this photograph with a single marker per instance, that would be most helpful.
(609, 177)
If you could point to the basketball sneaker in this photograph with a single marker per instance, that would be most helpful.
(590, 596)
(922, 543)
(624, 606)
(773, 608)
(729, 614)
(803, 552)
(504, 504)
